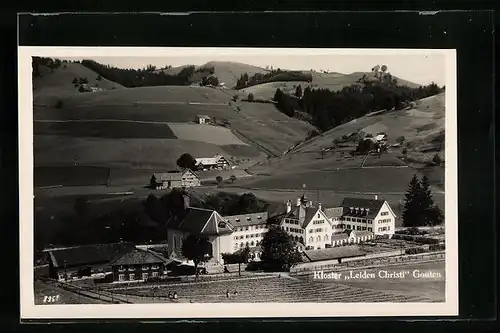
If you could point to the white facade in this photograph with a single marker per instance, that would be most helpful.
(250, 235)
(318, 232)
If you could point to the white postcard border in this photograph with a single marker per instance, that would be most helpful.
(230, 310)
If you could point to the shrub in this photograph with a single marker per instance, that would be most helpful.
(415, 250)
(437, 159)
(251, 97)
(98, 78)
(437, 247)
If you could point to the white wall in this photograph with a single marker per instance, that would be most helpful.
(326, 231)
(377, 223)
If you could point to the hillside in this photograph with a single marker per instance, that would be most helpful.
(51, 85)
(228, 72)
(150, 127)
(331, 81)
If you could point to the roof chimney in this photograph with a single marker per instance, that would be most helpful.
(319, 205)
(376, 197)
(299, 201)
(288, 206)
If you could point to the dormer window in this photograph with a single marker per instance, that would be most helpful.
(222, 224)
(259, 217)
(248, 218)
(237, 220)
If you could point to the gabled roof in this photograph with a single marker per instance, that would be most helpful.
(333, 253)
(200, 221)
(373, 205)
(303, 214)
(247, 219)
(166, 176)
(139, 257)
(209, 160)
(203, 116)
(88, 254)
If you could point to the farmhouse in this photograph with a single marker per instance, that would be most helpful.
(85, 260)
(226, 234)
(357, 220)
(185, 178)
(202, 119)
(216, 162)
(138, 265)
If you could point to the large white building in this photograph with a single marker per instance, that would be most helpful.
(356, 220)
(227, 234)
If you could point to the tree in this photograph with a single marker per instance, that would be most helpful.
(279, 252)
(365, 146)
(98, 78)
(412, 211)
(198, 249)
(186, 161)
(437, 159)
(75, 81)
(251, 97)
(298, 91)
(232, 178)
(218, 179)
(81, 89)
(432, 215)
(401, 140)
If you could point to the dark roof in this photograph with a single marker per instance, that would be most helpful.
(303, 214)
(139, 257)
(247, 219)
(334, 253)
(199, 221)
(373, 205)
(89, 254)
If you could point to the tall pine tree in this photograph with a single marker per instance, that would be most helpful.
(431, 213)
(412, 212)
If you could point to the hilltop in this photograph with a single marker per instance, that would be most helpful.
(56, 83)
(330, 81)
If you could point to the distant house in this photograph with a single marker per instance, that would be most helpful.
(84, 260)
(216, 162)
(202, 119)
(185, 178)
(139, 265)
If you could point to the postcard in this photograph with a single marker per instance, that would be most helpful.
(237, 182)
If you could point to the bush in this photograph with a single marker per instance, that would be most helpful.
(255, 266)
(98, 78)
(438, 247)
(251, 97)
(415, 250)
(426, 240)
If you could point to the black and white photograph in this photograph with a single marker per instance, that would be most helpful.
(237, 181)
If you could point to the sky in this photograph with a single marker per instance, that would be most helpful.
(422, 68)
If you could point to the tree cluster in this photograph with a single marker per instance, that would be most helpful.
(209, 81)
(372, 93)
(141, 77)
(419, 208)
(186, 161)
(272, 76)
(279, 252)
(233, 204)
(52, 64)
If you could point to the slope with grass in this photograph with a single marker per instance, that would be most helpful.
(331, 81)
(50, 86)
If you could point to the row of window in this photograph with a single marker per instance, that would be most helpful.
(131, 276)
(298, 231)
(388, 228)
(359, 228)
(318, 222)
(242, 244)
(249, 236)
(384, 213)
(318, 239)
(384, 221)
(132, 268)
(292, 221)
(315, 230)
(251, 227)
(354, 219)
